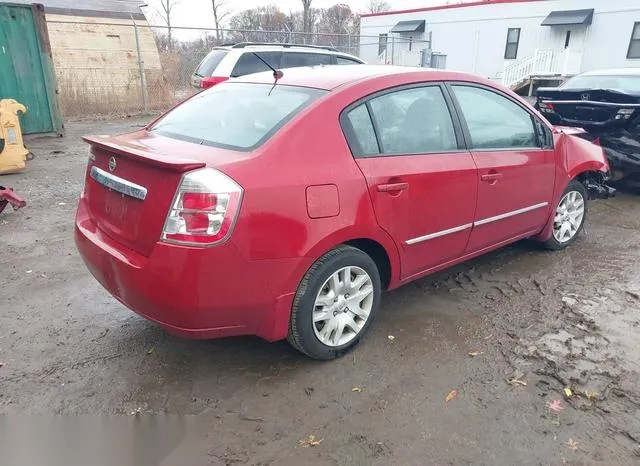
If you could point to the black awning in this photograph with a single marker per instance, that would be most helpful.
(569, 17)
(409, 26)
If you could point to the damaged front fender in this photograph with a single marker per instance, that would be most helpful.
(578, 154)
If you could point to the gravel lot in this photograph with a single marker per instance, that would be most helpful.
(535, 322)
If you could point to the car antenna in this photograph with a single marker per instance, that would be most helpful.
(277, 74)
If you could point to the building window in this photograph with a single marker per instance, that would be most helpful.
(382, 43)
(634, 43)
(513, 38)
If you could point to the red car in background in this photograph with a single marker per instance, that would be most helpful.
(284, 209)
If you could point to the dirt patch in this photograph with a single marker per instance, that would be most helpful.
(536, 323)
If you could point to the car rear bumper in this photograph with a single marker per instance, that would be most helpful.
(198, 293)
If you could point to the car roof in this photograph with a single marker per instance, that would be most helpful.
(332, 76)
(614, 71)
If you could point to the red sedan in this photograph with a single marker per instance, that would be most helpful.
(284, 209)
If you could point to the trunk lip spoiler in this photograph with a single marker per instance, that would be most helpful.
(167, 162)
(118, 184)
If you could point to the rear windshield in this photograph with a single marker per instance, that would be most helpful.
(237, 116)
(210, 63)
(623, 83)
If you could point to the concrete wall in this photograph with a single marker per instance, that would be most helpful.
(96, 65)
(474, 37)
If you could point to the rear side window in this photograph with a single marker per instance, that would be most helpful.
(210, 63)
(360, 131)
(294, 59)
(494, 121)
(238, 116)
(249, 63)
(346, 61)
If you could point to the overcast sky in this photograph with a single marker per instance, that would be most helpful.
(197, 13)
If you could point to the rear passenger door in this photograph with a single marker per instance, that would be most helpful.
(421, 180)
(516, 165)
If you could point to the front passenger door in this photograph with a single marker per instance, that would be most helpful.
(516, 166)
(421, 180)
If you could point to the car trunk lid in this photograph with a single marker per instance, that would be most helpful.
(132, 180)
(588, 107)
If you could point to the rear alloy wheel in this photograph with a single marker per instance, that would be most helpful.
(569, 216)
(335, 303)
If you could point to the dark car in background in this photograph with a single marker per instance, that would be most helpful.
(606, 104)
(233, 61)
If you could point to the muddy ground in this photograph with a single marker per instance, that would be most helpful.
(544, 321)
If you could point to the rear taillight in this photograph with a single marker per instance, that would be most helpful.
(546, 107)
(210, 81)
(204, 209)
(624, 113)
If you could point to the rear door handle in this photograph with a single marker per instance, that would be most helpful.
(489, 177)
(392, 187)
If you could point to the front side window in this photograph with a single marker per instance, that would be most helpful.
(294, 59)
(249, 63)
(237, 116)
(634, 43)
(413, 121)
(494, 121)
(513, 39)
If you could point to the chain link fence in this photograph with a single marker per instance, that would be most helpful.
(126, 69)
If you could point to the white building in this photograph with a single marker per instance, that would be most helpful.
(513, 41)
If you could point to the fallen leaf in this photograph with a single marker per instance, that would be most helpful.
(310, 441)
(567, 392)
(356, 389)
(572, 444)
(591, 396)
(473, 354)
(555, 406)
(517, 382)
(391, 337)
(151, 350)
(451, 396)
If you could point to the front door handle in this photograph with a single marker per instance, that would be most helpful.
(491, 177)
(392, 187)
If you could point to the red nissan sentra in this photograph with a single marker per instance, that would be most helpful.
(284, 208)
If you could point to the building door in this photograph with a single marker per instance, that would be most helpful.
(571, 40)
(23, 75)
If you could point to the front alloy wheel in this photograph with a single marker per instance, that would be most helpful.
(569, 217)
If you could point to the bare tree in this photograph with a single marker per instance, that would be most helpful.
(378, 6)
(165, 11)
(220, 12)
(306, 15)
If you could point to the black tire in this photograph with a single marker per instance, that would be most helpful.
(552, 243)
(301, 327)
